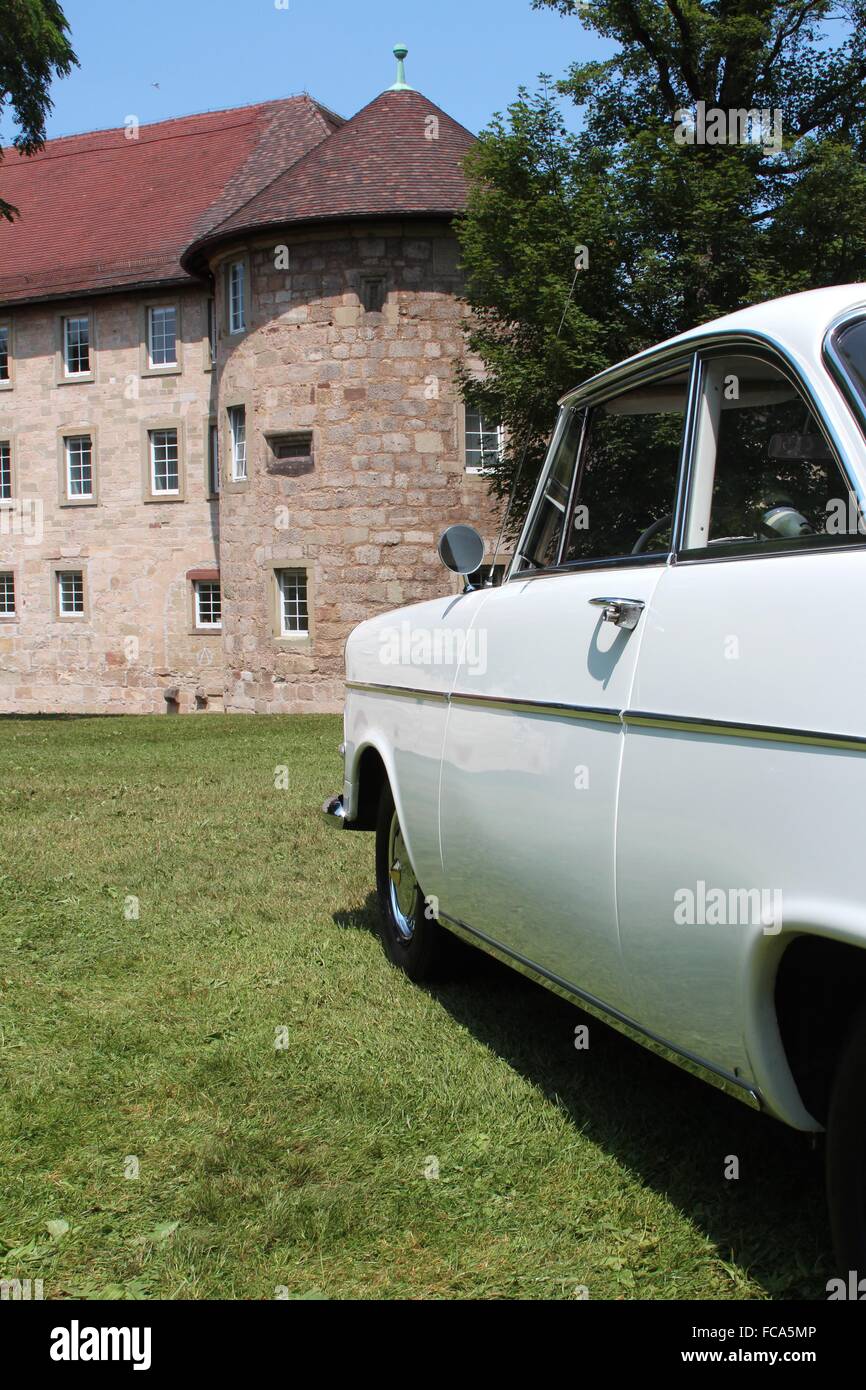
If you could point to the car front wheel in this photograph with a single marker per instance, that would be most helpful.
(412, 938)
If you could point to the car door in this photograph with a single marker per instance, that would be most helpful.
(741, 762)
(533, 739)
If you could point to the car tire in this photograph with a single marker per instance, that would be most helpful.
(846, 1154)
(412, 938)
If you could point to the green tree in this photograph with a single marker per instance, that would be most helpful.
(34, 48)
(676, 233)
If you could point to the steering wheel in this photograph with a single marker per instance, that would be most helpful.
(650, 533)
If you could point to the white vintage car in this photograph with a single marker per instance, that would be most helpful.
(636, 769)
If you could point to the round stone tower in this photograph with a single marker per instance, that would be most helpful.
(341, 434)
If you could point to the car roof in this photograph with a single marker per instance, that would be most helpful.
(796, 322)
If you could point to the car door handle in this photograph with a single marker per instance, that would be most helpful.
(622, 611)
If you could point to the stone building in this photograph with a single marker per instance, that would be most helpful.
(229, 425)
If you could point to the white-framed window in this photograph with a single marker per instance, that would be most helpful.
(213, 460)
(7, 595)
(294, 614)
(4, 352)
(164, 463)
(5, 470)
(78, 451)
(237, 297)
(162, 335)
(211, 330)
(208, 604)
(76, 346)
(238, 431)
(482, 441)
(70, 593)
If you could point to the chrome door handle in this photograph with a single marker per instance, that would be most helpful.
(622, 611)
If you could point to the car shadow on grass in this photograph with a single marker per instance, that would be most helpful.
(673, 1132)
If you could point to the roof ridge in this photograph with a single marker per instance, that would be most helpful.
(188, 116)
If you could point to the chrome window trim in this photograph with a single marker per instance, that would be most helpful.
(687, 457)
(836, 368)
(728, 1082)
(576, 479)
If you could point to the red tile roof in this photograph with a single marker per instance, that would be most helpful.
(100, 211)
(399, 156)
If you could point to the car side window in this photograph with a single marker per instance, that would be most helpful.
(540, 547)
(626, 493)
(775, 481)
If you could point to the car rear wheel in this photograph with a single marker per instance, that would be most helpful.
(846, 1155)
(412, 938)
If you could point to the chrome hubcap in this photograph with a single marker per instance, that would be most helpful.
(404, 885)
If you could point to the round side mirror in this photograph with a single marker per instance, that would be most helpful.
(461, 549)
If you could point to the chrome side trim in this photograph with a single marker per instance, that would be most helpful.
(697, 1066)
(407, 691)
(633, 718)
(503, 702)
(762, 733)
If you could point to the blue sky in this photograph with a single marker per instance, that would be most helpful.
(469, 56)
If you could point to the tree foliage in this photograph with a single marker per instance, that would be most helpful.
(34, 48)
(676, 233)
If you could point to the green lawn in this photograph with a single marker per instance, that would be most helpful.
(305, 1167)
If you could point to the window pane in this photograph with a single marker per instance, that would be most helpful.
(482, 442)
(238, 429)
(79, 466)
(164, 460)
(541, 545)
(7, 595)
(5, 470)
(162, 337)
(776, 481)
(625, 499)
(236, 297)
(213, 461)
(4, 353)
(70, 588)
(293, 602)
(76, 346)
(208, 605)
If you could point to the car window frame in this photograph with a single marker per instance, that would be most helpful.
(586, 399)
(768, 350)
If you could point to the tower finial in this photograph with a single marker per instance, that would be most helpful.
(401, 85)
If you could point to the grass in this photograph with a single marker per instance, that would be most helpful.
(149, 1045)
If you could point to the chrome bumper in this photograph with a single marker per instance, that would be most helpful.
(334, 812)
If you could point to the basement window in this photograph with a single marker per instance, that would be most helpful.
(292, 453)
